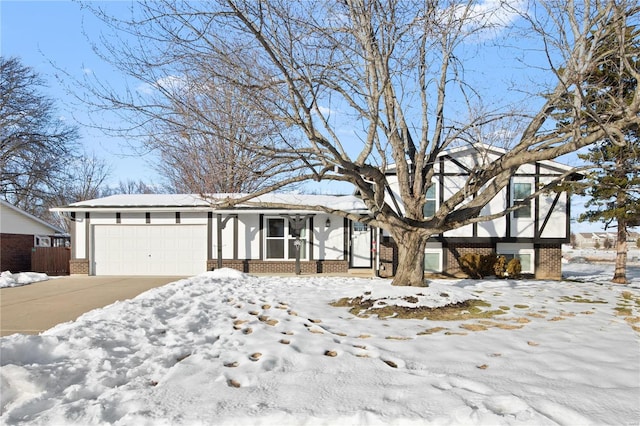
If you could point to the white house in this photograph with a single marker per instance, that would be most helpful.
(20, 232)
(169, 234)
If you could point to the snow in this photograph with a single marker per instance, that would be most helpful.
(337, 202)
(227, 348)
(7, 279)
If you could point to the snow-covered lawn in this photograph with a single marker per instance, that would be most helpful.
(227, 348)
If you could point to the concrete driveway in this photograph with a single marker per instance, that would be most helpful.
(36, 307)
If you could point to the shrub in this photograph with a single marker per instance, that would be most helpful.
(514, 268)
(478, 266)
(487, 263)
(470, 264)
(500, 267)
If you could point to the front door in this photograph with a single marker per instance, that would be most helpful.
(360, 245)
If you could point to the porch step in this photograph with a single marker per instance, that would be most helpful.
(361, 272)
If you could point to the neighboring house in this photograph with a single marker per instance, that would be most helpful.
(599, 239)
(169, 234)
(20, 232)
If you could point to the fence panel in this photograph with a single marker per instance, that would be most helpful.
(52, 261)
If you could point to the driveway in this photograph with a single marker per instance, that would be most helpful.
(36, 307)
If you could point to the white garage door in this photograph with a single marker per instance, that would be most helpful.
(150, 249)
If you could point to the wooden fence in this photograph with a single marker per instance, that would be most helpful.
(52, 261)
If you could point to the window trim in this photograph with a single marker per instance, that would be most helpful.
(287, 239)
(519, 213)
(437, 251)
(518, 252)
(434, 198)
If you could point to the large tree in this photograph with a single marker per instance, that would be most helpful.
(614, 188)
(35, 144)
(366, 85)
(614, 182)
(41, 165)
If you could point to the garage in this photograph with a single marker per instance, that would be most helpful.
(178, 249)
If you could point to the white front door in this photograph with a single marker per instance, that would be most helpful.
(360, 245)
(149, 249)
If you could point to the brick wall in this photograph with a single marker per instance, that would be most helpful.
(275, 267)
(79, 266)
(388, 257)
(15, 252)
(549, 262)
(455, 251)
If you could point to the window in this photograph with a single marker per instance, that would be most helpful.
(433, 257)
(429, 208)
(520, 192)
(281, 240)
(360, 227)
(432, 261)
(524, 252)
(42, 241)
(525, 260)
(275, 238)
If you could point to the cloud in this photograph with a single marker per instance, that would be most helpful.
(487, 19)
(170, 83)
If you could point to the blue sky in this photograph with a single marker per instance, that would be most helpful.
(44, 32)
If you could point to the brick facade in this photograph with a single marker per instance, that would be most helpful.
(79, 266)
(282, 267)
(453, 252)
(15, 252)
(388, 257)
(548, 258)
(548, 262)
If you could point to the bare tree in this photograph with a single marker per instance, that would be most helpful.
(83, 178)
(135, 187)
(394, 72)
(35, 145)
(208, 144)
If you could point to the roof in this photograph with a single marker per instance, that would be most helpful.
(165, 202)
(29, 216)
(485, 148)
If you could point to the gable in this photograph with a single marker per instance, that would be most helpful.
(16, 221)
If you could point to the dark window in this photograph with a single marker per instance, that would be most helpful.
(520, 192)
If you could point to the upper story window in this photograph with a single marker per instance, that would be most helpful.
(520, 192)
(281, 240)
(429, 208)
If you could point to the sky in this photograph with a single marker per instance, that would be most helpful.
(48, 36)
(227, 348)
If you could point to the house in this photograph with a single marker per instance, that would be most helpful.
(178, 234)
(603, 240)
(20, 232)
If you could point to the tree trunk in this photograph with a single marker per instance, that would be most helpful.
(410, 270)
(620, 272)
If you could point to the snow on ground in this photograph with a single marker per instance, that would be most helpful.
(7, 279)
(231, 349)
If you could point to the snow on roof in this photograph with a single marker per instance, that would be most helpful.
(338, 202)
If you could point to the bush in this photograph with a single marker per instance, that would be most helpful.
(514, 268)
(487, 263)
(500, 267)
(478, 266)
(470, 264)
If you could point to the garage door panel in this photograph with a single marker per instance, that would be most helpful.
(149, 249)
